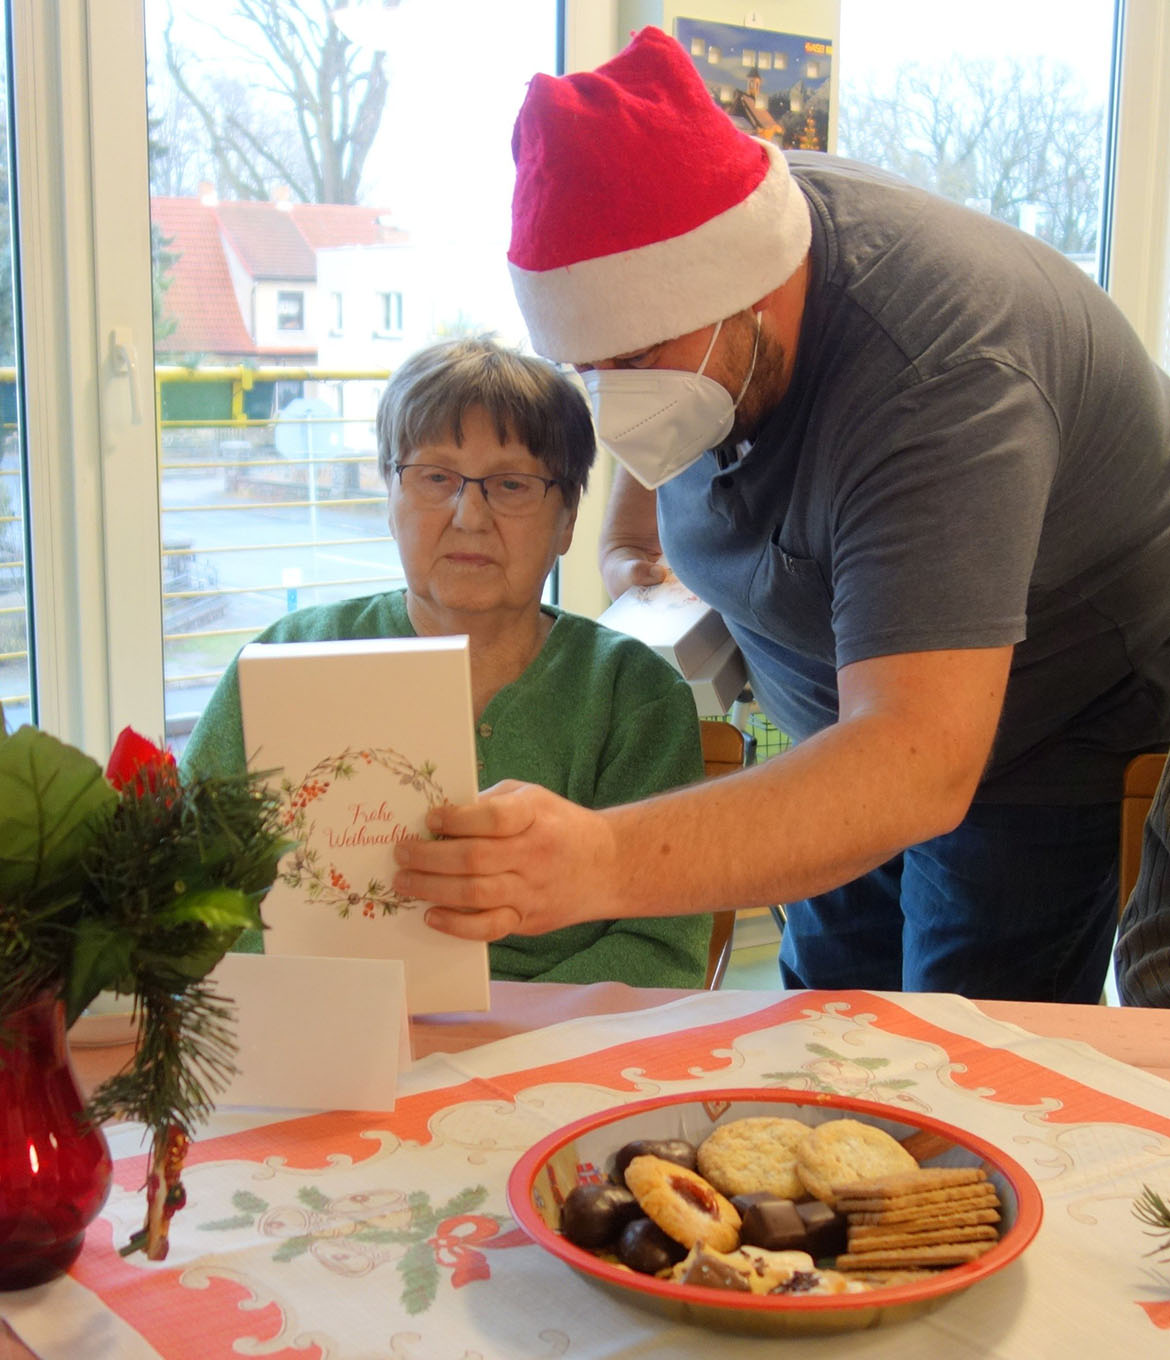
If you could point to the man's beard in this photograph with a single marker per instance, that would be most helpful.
(767, 387)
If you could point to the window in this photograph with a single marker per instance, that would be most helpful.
(290, 311)
(1014, 128)
(16, 673)
(263, 485)
(389, 313)
(122, 557)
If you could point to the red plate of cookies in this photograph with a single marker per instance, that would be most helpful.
(772, 1211)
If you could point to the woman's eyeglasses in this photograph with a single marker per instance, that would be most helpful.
(507, 493)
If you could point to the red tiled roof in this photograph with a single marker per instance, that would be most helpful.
(267, 241)
(200, 297)
(271, 243)
(338, 224)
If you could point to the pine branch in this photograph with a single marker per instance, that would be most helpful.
(1152, 1209)
(185, 1055)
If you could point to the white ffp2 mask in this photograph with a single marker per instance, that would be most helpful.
(657, 422)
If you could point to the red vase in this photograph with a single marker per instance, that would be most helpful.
(55, 1168)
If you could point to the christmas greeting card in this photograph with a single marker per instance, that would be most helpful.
(331, 1007)
(361, 739)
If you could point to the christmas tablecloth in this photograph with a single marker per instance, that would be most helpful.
(349, 1236)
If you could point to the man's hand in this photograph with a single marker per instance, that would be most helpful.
(521, 860)
(629, 552)
(624, 568)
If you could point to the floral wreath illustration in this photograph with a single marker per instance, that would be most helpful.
(307, 869)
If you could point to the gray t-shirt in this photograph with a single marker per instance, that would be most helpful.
(974, 452)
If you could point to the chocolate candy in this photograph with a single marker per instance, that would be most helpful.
(594, 1215)
(644, 1247)
(714, 1273)
(826, 1229)
(675, 1150)
(780, 1225)
(742, 1203)
(774, 1224)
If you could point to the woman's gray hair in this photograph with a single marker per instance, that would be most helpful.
(527, 399)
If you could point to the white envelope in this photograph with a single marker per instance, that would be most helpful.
(316, 1033)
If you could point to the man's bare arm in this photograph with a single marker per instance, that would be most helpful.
(899, 767)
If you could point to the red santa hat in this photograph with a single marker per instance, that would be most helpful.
(641, 212)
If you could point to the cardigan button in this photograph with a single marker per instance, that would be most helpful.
(485, 729)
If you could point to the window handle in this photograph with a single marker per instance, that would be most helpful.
(124, 359)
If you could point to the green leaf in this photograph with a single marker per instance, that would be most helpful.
(463, 1202)
(291, 1248)
(190, 966)
(249, 1203)
(822, 1052)
(101, 959)
(420, 1278)
(227, 1224)
(215, 908)
(53, 800)
(312, 1197)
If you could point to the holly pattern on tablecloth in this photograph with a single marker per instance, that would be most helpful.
(847, 1075)
(354, 1234)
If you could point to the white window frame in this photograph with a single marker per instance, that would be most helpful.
(83, 235)
(84, 248)
(1139, 244)
(291, 300)
(390, 307)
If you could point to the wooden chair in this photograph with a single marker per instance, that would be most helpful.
(1141, 783)
(725, 748)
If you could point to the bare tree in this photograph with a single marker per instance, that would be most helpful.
(1004, 136)
(279, 97)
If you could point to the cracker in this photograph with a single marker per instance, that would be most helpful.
(885, 1279)
(747, 1156)
(949, 1255)
(913, 1182)
(928, 1237)
(860, 1227)
(988, 1213)
(842, 1151)
(968, 1196)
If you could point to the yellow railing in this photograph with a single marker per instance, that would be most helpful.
(319, 493)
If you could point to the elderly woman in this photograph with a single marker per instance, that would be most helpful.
(485, 453)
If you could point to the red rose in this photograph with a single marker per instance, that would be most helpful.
(136, 762)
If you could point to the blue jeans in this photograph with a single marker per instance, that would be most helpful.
(1018, 903)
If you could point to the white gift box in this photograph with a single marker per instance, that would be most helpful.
(719, 682)
(672, 620)
(689, 634)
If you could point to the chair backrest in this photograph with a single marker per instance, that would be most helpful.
(1141, 783)
(725, 749)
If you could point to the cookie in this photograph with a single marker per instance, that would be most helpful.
(842, 1151)
(913, 1182)
(873, 1225)
(749, 1156)
(683, 1204)
(926, 1237)
(896, 1257)
(748, 1269)
(886, 1279)
(967, 1196)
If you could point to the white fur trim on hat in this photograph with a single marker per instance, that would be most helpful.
(617, 304)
